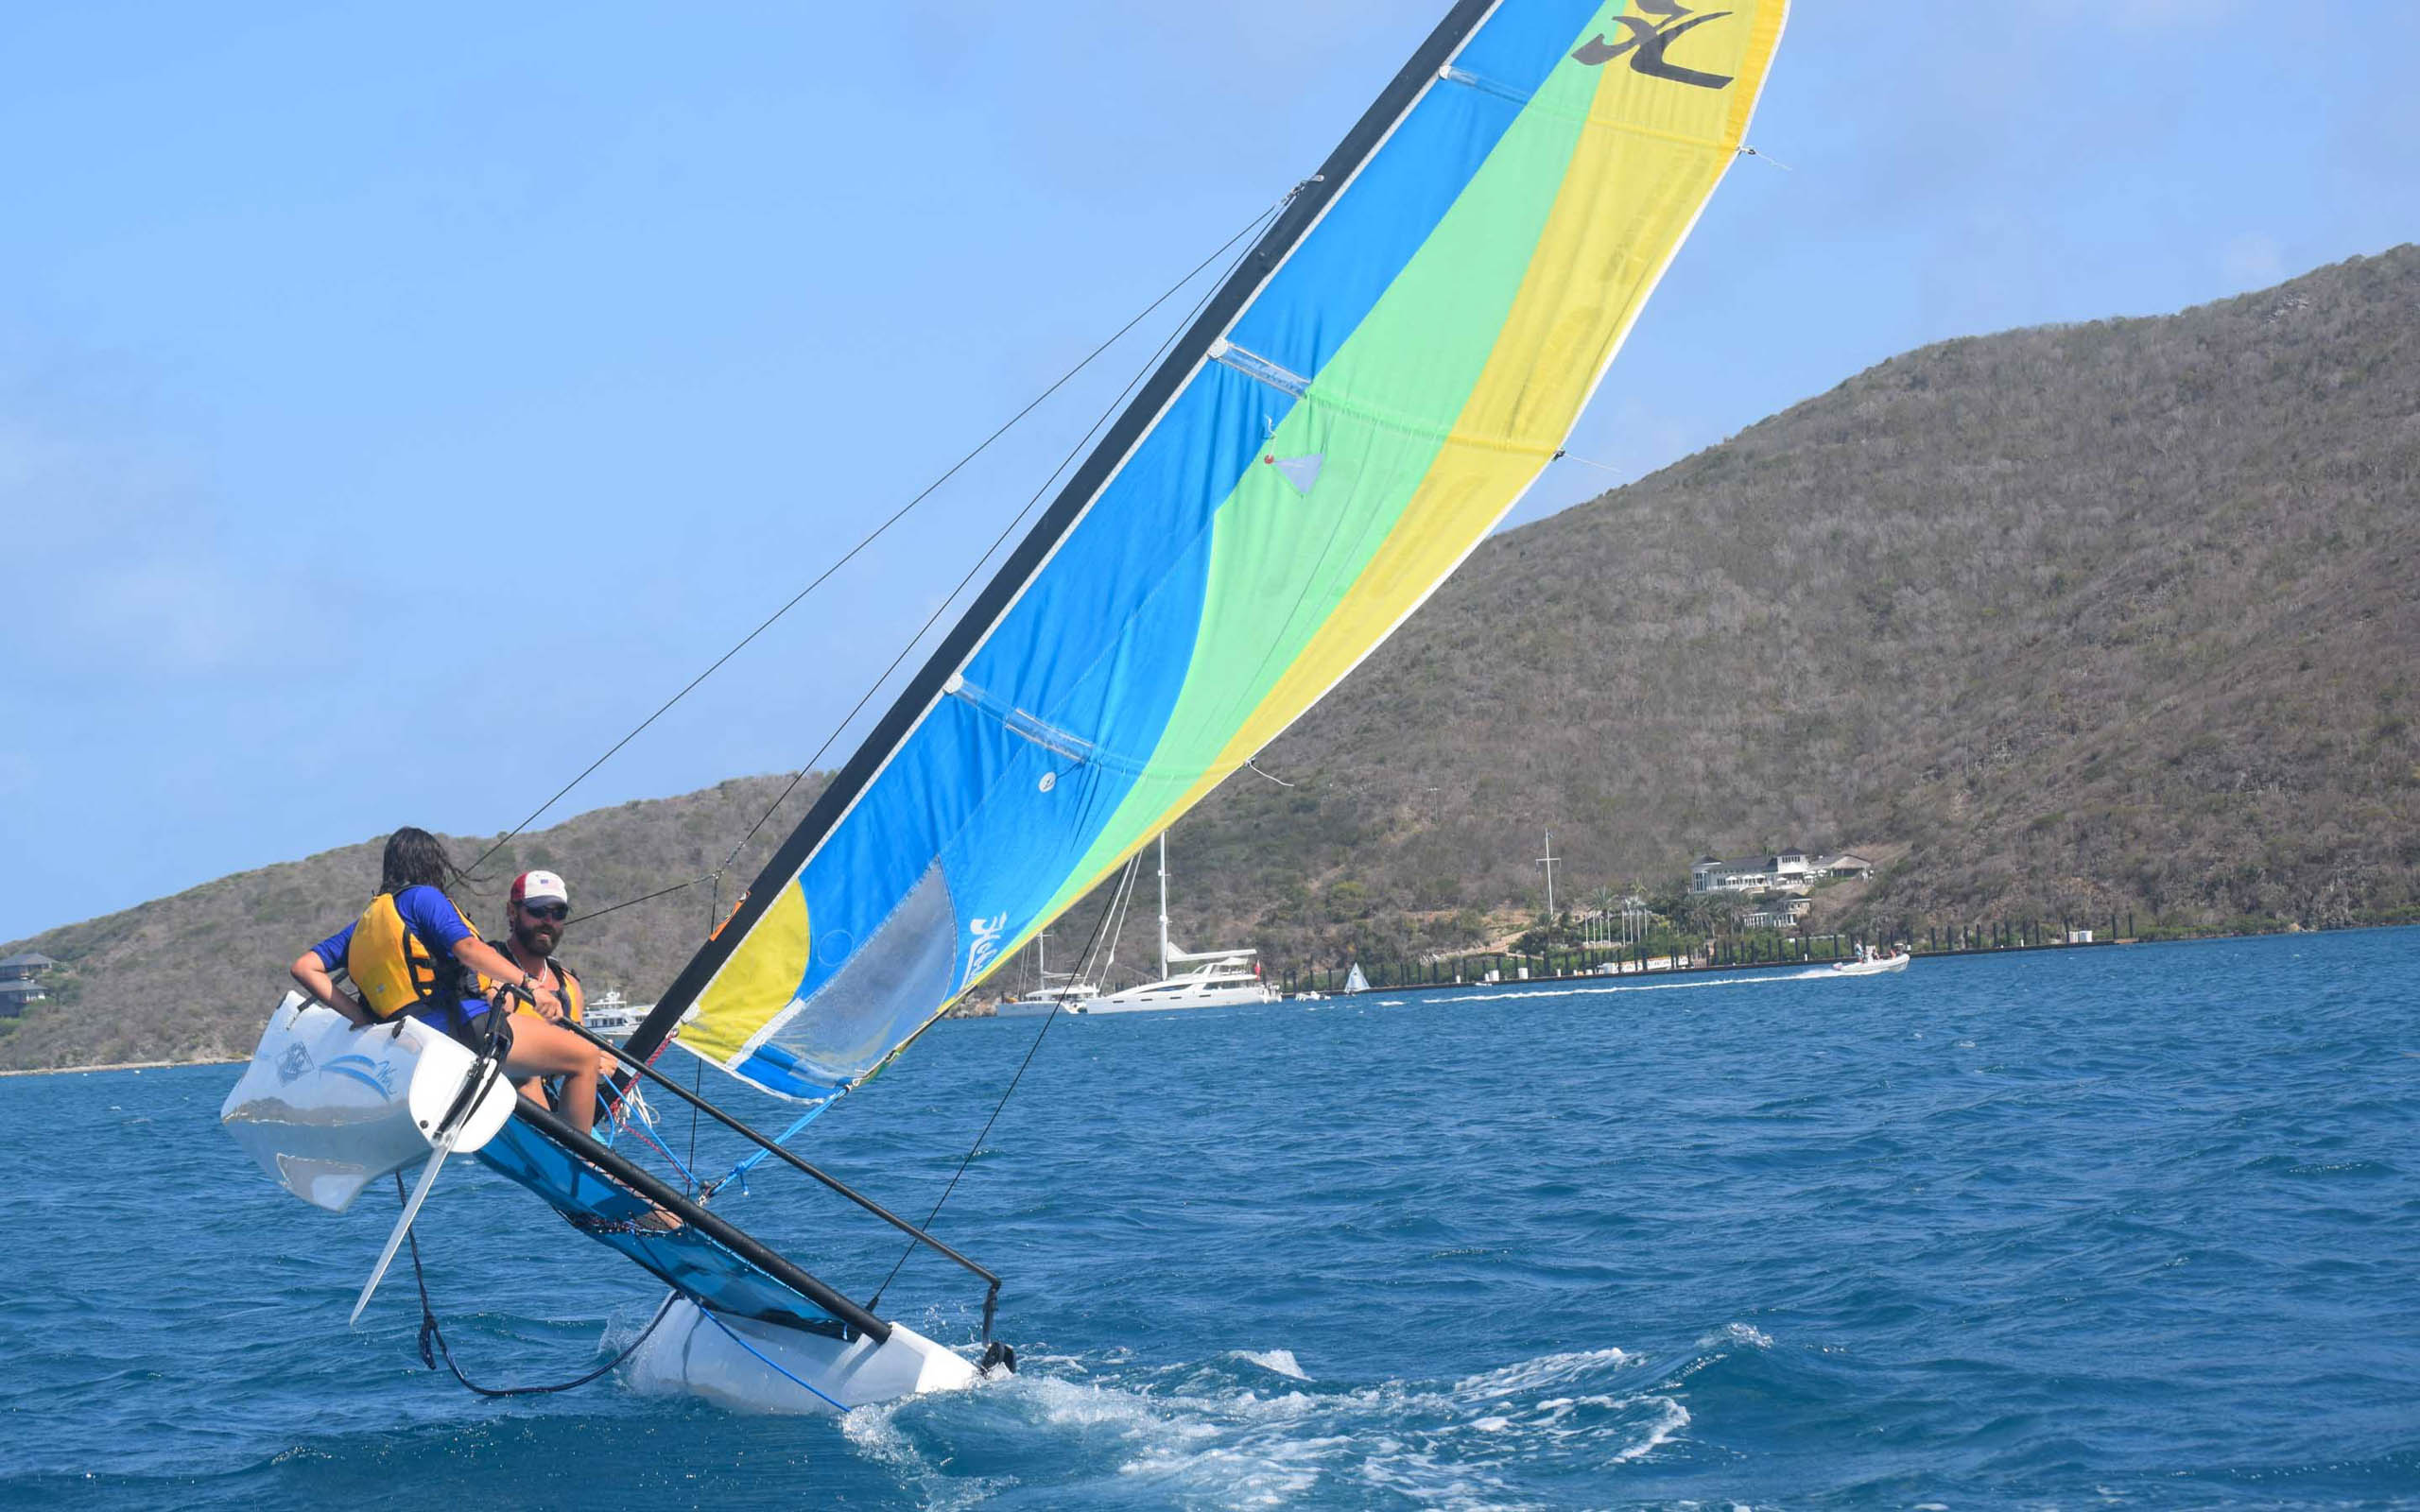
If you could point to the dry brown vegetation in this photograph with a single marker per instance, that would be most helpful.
(2110, 616)
(2119, 615)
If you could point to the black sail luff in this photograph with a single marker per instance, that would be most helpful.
(1301, 212)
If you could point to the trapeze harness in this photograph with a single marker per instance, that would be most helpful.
(397, 974)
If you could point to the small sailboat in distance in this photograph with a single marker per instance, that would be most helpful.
(1376, 383)
(1052, 991)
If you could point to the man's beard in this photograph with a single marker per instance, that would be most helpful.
(531, 942)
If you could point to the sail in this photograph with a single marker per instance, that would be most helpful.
(1377, 385)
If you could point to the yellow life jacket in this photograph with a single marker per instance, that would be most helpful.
(395, 971)
(575, 1000)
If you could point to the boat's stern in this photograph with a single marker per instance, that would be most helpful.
(758, 1366)
(328, 1107)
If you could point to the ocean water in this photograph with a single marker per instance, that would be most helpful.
(2132, 1226)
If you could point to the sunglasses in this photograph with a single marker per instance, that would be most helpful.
(558, 912)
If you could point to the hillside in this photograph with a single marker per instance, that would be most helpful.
(193, 975)
(2108, 616)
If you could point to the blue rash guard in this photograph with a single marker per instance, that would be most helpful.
(440, 926)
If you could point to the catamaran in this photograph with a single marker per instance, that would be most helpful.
(1369, 389)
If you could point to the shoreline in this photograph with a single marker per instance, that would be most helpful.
(118, 1065)
(1581, 977)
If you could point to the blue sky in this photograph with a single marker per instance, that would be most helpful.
(396, 405)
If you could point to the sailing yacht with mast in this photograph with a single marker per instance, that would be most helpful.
(1366, 392)
(1218, 978)
(1069, 992)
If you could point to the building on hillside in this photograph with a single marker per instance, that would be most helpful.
(1780, 871)
(1714, 874)
(20, 982)
(1781, 913)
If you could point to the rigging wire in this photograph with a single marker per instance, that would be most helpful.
(1258, 772)
(740, 1171)
(1083, 966)
(1077, 450)
(633, 903)
(1583, 461)
(1117, 931)
(879, 530)
(1114, 407)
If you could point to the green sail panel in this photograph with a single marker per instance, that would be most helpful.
(1379, 383)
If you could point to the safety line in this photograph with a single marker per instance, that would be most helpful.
(853, 551)
(708, 1315)
(1083, 965)
(430, 1333)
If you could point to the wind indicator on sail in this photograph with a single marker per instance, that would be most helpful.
(1301, 472)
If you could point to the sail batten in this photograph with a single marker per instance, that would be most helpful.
(1390, 369)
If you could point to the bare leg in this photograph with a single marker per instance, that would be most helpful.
(540, 1049)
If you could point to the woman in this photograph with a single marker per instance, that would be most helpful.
(412, 951)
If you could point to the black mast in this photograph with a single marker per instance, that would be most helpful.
(1292, 222)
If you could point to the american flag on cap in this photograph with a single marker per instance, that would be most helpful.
(540, 886)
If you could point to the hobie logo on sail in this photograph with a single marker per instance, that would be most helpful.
(987, 934)
(1648, 41)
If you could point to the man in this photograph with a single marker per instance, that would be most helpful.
(535, 912)
(412, 951)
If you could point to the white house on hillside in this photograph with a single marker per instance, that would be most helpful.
(1782, 872)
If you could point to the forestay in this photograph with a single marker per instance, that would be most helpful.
(1381, 380)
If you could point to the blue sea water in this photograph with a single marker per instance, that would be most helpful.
(2128, 1227)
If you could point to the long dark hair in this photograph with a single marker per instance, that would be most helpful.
(416, 858)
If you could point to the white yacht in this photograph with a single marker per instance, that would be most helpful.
(609, 1017)
(1216, 978)
(1068, 991)
(1071, 996)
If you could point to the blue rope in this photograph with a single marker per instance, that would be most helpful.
(708, 1315)
(666, 1150)
(636, 1123)
(739, 1172)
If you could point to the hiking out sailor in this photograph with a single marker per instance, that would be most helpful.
(534, 914)
(413, 952)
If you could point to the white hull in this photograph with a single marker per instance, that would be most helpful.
(1895, 963)
(757, 1367)
(1026, 1008)
(327, 1107)
(1075, 1000)
(1179, 993)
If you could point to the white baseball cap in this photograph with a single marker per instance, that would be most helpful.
(540, 886)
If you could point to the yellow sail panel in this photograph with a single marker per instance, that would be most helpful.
(1357, 404)
(1649, 151)
(758, 982)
